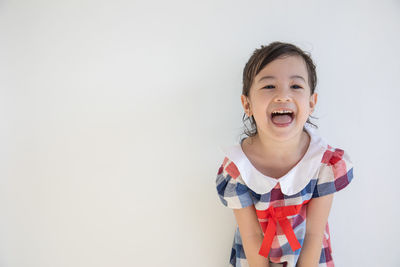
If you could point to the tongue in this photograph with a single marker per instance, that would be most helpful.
(281, 119)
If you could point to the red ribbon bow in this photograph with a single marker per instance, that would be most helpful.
(274, 215)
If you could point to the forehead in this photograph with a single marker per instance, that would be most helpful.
(284, 68)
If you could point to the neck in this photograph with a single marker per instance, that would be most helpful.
(287, 150)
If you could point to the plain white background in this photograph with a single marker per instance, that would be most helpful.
(111, 114)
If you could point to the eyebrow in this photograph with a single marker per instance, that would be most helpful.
(273, 77)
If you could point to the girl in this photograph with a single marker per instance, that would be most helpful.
(280, 180)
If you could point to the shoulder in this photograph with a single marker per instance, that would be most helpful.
(335, 173)
(333, 155)
(336, 161)
(232, 190)
(228, 167)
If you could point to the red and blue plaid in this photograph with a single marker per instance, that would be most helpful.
(335, 173)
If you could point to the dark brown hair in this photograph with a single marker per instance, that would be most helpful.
(263, 56)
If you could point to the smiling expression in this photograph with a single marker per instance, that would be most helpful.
(280, 85)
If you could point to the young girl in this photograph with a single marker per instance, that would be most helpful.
(280, 180)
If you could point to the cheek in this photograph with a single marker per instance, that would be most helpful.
(305, 102)
(261, 104)
(305, 107)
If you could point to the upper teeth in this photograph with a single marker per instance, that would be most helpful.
(282, 111)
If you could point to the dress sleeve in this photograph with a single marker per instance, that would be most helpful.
(336, 173)
(231, 188)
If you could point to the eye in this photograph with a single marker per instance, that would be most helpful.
(270, 86)
(296, 86)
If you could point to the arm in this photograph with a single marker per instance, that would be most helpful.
(252, 235)
(317, 217)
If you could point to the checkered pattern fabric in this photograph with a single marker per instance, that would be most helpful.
(335, 173)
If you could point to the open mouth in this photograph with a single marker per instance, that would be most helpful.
(282, 117)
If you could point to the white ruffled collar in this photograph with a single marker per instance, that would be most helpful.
(293, 181)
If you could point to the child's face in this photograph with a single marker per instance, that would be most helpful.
(283, 83)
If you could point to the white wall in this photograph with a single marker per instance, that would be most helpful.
(112, 113)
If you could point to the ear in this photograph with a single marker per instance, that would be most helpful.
(246, 104)
(313, 101)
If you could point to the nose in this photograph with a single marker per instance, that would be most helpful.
(283, 93)
(282, 97)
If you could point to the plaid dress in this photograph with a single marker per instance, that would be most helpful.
(281, 203)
